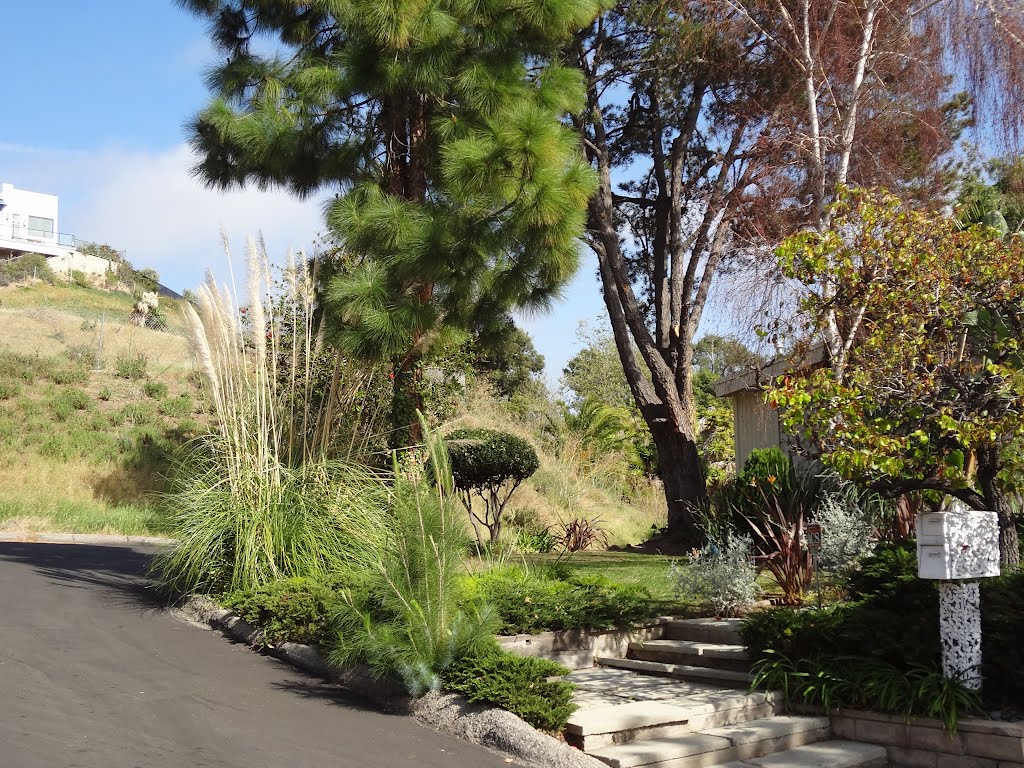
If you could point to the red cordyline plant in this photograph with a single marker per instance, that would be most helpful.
(778, 520)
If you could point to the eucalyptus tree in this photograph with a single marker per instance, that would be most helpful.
(459, 192)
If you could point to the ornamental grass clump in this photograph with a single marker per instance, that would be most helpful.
(407, 620)
(257, 499)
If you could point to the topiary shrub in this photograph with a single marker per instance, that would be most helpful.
(519, 684)
(491, 465)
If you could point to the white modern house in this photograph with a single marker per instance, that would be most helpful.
(29, 224)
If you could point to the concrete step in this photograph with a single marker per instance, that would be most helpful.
(825, 754)
(602, 726)
(705, 630)
(723, 678)
(687, 652)
(716, 746)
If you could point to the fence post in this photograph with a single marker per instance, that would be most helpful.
(98, 363)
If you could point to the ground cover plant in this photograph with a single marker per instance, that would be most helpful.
(542, 599)
(524, 685)
(295, 610)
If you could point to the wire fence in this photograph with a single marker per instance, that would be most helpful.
(104, 339)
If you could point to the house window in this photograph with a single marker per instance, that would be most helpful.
(40, 227)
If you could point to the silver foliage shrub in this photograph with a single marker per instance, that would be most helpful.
(721, 575)
(846, 529)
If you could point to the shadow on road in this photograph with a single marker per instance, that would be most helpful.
(119, 571)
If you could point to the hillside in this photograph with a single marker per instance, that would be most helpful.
(91, 406)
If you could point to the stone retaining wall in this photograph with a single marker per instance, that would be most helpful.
(577, 648)
(924, 743)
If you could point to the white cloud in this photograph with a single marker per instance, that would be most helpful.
(148, 204)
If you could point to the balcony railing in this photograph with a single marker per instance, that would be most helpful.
(23, 234)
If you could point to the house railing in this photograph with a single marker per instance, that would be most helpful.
(24, 234)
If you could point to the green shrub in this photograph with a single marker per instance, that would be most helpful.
(68, 374)
(104, 394)
(519, 684)
(176, 407)
(295, 610)
(136, 413)
(67, 401)
(884, 572)
(538, 601)
(25, 267)
(490, 465)
(155, 389)
(765, 467)
(1002, 658)
(896, 622)
(9, 389)
(131, 367)
(80, 279)
(81, 354)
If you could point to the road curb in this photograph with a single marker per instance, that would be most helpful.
(84, 538)
(448, 713)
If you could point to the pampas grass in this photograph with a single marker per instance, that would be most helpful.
(259, 499)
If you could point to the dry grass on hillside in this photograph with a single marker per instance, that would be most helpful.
(74, 495)
(51, 332)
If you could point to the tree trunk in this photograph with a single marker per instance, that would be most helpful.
(998, 501)
(406, 400)
(681, 472)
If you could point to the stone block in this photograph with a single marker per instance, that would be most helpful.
(995, 746)
(901, 757)
(964, 761)
(935, 739)
(881, 732)
(844, 727)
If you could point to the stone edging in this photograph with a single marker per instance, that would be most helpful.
(924, 742)
(449, 713)
(83, 538)
(577, 648)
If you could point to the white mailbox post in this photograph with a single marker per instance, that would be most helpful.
(958, 547)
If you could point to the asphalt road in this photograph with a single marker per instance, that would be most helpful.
(95, 674)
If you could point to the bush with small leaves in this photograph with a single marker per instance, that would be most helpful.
(131, 367)
(176, 407)
(522, 685)
(490, 465)
(541, 600)
(295, 610)
(722, 576)
(155, 389)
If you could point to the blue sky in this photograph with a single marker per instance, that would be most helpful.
(94, 103)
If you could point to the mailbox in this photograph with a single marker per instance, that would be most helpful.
(959, 544)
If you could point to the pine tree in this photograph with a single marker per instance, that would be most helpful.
(461, 194)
